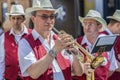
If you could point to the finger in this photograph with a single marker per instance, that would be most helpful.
(87, 65)
(66, 42)
(64, 36)
(89, 72)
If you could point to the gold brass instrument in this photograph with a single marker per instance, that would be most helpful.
(89, 56)
(79, 46)
(99, 59)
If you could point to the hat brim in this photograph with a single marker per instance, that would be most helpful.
(102, 21)
(14, 14)
(29, 10)
(114, 18)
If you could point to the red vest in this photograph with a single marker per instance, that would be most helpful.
(40, 51)
(12, 70)
(101, 73)
(115, 75)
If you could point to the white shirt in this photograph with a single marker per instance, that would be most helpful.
(111, 56)
(27, 57)
(2, 49)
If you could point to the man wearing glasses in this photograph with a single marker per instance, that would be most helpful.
(44, 55)
(92, 24)
(9, 65)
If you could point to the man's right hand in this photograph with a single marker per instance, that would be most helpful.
(63, 42)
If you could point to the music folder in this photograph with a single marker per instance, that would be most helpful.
(104, 43)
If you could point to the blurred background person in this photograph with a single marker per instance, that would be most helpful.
(113, 28)
(9, 65)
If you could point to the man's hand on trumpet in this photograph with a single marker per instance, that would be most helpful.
(63, 42)
(87, 69)
(85, 66)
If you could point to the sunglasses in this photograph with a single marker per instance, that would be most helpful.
(45, 17)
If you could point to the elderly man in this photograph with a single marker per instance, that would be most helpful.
(92, 24)
(45, 55)
(9, 65)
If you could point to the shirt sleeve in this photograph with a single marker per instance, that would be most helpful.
(2, 57)
(26, 56)
(113, 61)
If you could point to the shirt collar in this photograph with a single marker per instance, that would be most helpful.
(36, 35)
(85, 41)
(25, 31)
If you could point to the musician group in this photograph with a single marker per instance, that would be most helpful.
(45, 53)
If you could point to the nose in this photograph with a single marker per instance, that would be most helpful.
(86, 26)
(15, 20)
(49, 20)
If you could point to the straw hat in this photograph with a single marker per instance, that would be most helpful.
(40, 5)
(16, 10)
(116, 16)
(92, 14)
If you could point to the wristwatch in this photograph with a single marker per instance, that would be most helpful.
(52, 53)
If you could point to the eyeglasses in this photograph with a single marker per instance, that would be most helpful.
(17, 18)
(45, 17)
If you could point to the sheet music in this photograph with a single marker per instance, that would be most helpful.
(106, 40)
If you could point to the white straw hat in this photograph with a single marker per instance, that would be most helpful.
(40, 5)
(16, 9)
(92, 14)
(116, 16)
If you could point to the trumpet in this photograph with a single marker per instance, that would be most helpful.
(90, 58)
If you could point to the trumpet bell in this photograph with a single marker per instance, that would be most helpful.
(97, 62)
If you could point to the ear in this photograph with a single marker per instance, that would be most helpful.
(100, 26)
(32, 18)
(118, 25)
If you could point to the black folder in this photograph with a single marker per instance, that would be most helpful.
(104, 43)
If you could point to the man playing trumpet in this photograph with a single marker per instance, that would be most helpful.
(44, 55)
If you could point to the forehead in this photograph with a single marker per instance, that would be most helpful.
(16, 15)
(89, 20)
(44, 12)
